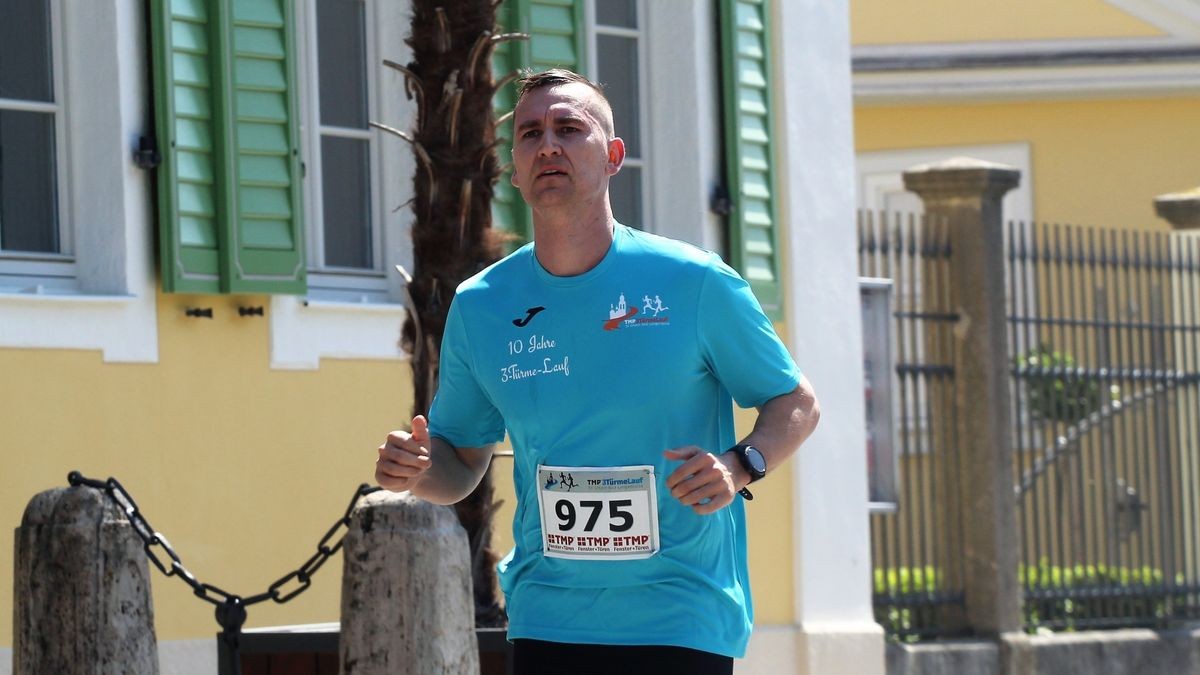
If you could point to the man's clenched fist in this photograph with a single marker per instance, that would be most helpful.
(404, 457)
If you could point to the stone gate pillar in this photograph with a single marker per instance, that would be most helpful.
(966, 194)
(82, 589)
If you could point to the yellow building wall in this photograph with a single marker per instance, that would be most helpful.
(242, 467)
(769, 519)
(1094, 162)
(878, 22)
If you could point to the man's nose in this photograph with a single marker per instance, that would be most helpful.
(549, 145)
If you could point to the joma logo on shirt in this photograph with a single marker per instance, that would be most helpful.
(529, 314)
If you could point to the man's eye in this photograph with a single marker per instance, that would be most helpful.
(568, 130)
(532, 133)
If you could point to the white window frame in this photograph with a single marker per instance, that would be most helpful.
(331, 282)
(681, 67)
(881, 172)
(640, 34)
(341, 316)
(38, 272)
(105, 300)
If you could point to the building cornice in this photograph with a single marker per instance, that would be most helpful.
(917, 60)
(937, 73)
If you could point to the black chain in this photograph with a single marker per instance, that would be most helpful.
(231, 608)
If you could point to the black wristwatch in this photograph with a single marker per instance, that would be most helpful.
(753, 462)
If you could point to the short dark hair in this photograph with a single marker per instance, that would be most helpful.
(530, 81)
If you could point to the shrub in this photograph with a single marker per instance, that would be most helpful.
(1134, 594)
(1054, 388)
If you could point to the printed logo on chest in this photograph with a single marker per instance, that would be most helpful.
(653, 312)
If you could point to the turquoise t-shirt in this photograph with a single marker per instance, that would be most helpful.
(640, 354)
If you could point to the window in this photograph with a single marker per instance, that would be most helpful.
(33, 244)
(616, 40)
(76, 267)
(344, 231)
(356, 184)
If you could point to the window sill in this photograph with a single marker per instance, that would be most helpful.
(305, 331)
(123, 327)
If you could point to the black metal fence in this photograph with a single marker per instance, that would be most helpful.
(1105, 360)
(914, 543)
(1105, 328)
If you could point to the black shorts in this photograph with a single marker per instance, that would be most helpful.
(536, 657)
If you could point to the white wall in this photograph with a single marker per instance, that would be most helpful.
(837, 632)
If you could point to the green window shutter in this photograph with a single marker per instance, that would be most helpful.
(556, 40)
(264, 226)
(556, 34)
(746, 77)
(508, 210)
(229, 185)
(185, 127)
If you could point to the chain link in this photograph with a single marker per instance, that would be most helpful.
(208, 592)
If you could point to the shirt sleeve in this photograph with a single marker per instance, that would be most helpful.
(738, 341)
(462, 414)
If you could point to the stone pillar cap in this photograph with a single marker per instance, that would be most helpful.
(1181, 209)
(961, 176)
(1187, 195)
(960, 163)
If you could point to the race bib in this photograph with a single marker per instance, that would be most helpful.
(596, 513)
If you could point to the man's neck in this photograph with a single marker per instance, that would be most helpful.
(569, 244)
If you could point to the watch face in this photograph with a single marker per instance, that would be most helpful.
(757, 462)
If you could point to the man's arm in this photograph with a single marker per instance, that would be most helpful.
(430, 468)
(783, 423)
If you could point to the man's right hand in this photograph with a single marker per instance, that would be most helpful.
(404, 458)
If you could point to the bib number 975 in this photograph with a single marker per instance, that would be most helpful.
(620, 518)
(598, 513)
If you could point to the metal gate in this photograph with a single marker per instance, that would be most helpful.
(1105, 332)
(914, 546)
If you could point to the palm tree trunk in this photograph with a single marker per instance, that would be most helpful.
(450, 78)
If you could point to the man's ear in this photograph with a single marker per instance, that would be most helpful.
(616, 156)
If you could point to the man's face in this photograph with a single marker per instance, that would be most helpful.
(563, 153)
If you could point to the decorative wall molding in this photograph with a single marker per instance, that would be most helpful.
(1056, 56)
(1039, 69)
(1028, 83)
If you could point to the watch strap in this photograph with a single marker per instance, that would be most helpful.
(741, 450)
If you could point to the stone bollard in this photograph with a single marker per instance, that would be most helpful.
(82, 589)
(406, 590)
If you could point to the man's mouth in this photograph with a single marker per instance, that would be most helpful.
(552, 172)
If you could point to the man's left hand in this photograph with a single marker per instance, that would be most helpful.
(705, 482)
